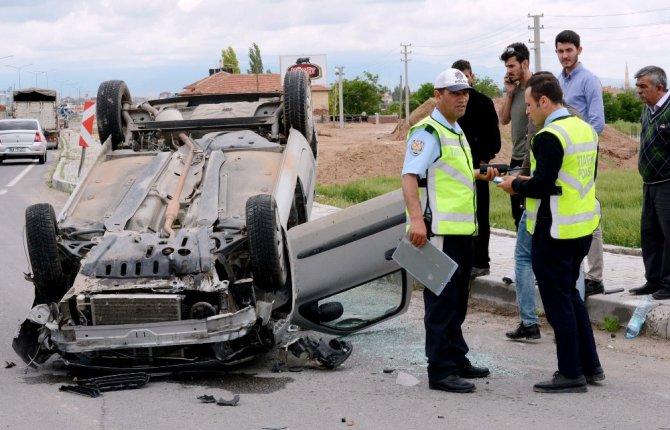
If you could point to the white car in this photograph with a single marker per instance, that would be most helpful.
(188, 241)
(22, 138)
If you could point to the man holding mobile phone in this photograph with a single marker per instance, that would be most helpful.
(515, 57)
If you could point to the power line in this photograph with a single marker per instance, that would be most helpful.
(631, 37)
(610, 14)
(488, 35)
(460, 48)
(619, 26)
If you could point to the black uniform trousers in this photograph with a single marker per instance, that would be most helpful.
(655, 233)
(516, 200)
(445, 346)
(556, 265)
(482, 259)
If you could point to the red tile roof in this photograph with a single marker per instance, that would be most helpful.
(228, 83)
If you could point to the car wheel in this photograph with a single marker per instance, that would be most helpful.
(112, 95)
(41, 234)
(43, 157)
(298, 104)
(266, 243)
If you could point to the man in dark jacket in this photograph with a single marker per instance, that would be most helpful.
(480, 125)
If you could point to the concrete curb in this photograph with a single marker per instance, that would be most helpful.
(502, 296)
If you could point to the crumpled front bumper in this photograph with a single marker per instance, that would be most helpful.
(218, 328)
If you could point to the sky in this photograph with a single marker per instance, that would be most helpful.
(163, 45)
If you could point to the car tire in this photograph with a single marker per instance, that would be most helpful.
(266, 243)
(41, 234)
(112, 95)
(298, 104)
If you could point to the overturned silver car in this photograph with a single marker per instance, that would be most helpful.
(182, 244)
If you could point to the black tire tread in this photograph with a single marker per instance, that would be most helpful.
(297, 105)
(41, 236)
(266, 263)
(109, 104)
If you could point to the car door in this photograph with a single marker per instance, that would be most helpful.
(342, 272)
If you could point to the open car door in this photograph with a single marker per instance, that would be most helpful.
(341, 266)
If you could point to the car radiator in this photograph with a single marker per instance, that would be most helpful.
(109, 309)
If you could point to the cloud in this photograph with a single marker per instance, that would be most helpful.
(90, 41)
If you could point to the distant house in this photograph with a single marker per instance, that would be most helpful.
(222, 82)
(230, 83)
(320, 101)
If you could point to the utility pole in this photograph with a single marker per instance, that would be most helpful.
(405, 52)
(536, 42)
(339, 72)
(400, 100)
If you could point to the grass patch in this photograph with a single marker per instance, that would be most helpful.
(629, 128)
(343, 195)
(619, 192)
(610, 324)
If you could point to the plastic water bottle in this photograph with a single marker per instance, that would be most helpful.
(640, 314)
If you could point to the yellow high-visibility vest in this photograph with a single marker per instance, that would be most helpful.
(450, 184)
(575, 211)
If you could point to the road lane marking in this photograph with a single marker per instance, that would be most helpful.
(20, 175)
(3, 192)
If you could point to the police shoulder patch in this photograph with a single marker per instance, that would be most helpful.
(416, 146)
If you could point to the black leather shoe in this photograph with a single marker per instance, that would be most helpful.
(596, 375)
(662, 294)
(645, 289)
(479, 271)
(523, 332)
(592, 287)
(453, 384)
(470, 372)
(561, 384)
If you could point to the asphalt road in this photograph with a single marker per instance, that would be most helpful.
(635, 394)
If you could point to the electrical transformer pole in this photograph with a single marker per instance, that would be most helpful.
(536, 35)
(339, 72)
(405, 52)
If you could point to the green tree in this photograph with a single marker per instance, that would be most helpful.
(397, 93)
(255, 60)
(630, 107)
(417, 98)
(229, 59)
(612, 108)
(487, 86)
(359, 95)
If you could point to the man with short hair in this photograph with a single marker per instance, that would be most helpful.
(582, 91)
(515, 57)
(480, 125)
(562, 212)
(438, 184)
(654, 167)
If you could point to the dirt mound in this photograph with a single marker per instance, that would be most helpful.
(360, 150)
(400, 132)
(367, 150)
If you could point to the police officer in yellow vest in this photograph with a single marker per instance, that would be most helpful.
(562, 212)
(438, 183)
